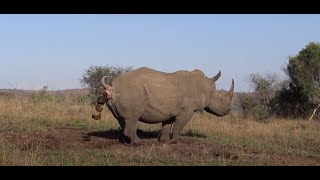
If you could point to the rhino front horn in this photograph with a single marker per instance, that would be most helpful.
(230, 93)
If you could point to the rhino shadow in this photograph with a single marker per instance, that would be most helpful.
(191, 133)
(117, 134)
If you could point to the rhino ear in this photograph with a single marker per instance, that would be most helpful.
(216, 77)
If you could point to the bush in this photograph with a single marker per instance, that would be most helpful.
(92, 78)
(252, 106)
(260, 104)
(41, 96)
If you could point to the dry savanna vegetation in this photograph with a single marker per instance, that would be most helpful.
(42, 128)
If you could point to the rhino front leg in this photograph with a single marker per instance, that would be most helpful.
(165, 134)
(182, 119)
(130, 131)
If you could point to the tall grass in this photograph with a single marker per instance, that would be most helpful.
(42, 113)
(37, 111)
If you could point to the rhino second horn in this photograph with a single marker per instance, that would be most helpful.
(216, 77)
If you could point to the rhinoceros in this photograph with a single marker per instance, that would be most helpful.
(152, 96)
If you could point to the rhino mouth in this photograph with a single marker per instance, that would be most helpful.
(216, 112)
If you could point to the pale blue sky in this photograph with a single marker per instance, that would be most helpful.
(54, 50)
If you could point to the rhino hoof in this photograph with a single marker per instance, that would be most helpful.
(173, 141)
(135, 142)
(96, 117)
(164, 139)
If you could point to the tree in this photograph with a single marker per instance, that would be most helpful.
(260, 103)
(304, 74)
(92, 78)
(266, 87)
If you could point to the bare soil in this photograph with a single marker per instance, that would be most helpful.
(187, 148)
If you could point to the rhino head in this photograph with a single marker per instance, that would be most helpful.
(218, 103)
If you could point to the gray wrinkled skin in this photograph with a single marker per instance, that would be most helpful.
(151, 96)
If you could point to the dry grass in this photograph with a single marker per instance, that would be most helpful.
(276, 135)
(50, 131)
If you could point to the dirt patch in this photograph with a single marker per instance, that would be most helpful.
(188, 150)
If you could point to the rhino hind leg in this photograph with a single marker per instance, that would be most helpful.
(182, 119)
(165, 133)
(130, 131)
(121, 123)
